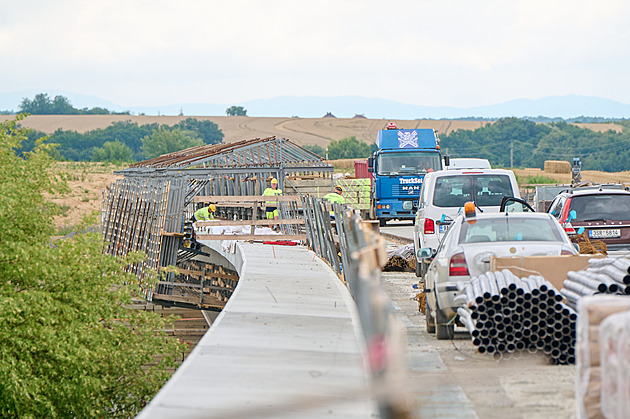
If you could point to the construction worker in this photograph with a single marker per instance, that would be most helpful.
(270, 206)
(205, 213)
(335, 197)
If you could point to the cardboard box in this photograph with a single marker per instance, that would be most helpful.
(553, 268)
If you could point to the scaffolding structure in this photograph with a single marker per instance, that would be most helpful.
(146, 209)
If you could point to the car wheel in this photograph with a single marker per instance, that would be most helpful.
(443, 331)
(382, 222)
(429, 319)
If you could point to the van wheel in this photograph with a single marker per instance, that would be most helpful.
(382, 222)
(429, 319)
(442, 331)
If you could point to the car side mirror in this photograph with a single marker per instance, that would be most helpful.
(370, 161)
(447, 160)
(425, 253)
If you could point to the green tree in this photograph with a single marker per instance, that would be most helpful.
(208, 131)
(69, 347)
(348, 148)
(164, 141)
(236, 111)
(315, 149)
(113, 152)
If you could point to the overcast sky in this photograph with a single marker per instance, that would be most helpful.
(459, 53)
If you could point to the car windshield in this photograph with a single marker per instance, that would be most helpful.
(506, 228)
(601, 207)
(485, 190)
(408, 163)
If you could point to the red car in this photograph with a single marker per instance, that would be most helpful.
(603, 213)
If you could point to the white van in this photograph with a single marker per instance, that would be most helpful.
(466, 163)
(443, 195)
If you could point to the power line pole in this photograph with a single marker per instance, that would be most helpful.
(511, 154)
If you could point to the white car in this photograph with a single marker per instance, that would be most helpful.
(465, 252)
(443, 195)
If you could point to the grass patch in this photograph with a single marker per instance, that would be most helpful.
(535, 180)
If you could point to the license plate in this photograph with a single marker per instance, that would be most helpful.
(605, 233)
(443, 228)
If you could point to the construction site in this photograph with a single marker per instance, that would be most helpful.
(528, 347)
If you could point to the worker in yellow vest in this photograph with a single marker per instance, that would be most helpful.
(335, 197)
(271, 208)
(205, 213)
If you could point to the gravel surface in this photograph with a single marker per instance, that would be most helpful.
(444, 373)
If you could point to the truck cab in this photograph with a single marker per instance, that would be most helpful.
(398, 168)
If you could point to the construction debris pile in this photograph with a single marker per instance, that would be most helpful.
(603, 276)
(401, 259)
(507, 315)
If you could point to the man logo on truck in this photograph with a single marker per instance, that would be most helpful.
(407, 139)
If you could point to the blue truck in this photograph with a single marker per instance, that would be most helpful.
(398, 167)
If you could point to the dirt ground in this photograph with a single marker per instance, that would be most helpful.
(87, 181)
(525, 388)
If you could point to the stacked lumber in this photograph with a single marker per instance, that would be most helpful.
(592, 311)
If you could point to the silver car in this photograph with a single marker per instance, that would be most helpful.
(466, 250)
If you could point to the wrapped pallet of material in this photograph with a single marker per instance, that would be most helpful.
(592, 311)
(614, 347)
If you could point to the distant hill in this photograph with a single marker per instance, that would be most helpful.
(570, 106)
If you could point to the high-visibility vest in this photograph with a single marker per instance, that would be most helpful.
(203, 214)
(272, 192)
(335, 197)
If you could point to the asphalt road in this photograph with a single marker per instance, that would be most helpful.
(450, 379)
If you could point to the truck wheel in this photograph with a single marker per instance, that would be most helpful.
(382, 222)
(429, 319)
(442, 331)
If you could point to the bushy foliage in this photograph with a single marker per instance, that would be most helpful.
(534, 143)
(75, 146)
(113, 152)
(208, 131)
(164, 141)
(41, 104)
(69, 347)
(315, 149)
(348, 148)
(236, 111)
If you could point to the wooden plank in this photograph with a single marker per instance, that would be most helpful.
(198, 274)
(256, 237)
(249, 222)
(193, 300)
(206, 288)
(172, 234)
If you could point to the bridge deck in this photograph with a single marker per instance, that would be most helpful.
(287, 343)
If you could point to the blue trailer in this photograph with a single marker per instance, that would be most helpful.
(398, 167)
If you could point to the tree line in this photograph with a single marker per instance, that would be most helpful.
(529, 144)
(126, 141)
(42, 104)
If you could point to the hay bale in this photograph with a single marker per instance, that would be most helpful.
(557, 166)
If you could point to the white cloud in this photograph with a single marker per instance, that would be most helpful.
(449, 52)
